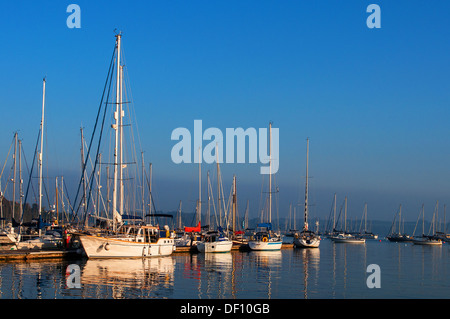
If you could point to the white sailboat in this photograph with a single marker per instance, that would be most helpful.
(306, 238)
(366, 234)
(265, 238)
(344, 237)
(127, 241)
(424, 239)
(214, 242)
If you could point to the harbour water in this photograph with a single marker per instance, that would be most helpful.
(333, 271)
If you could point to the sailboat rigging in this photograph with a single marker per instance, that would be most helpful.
(122, 236)
(307, 238)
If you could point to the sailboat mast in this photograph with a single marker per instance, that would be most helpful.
(306, 186)
(270, 172)
(218, 185)
(143, 189)
(121, 165)
(234, 204)
(40, 157)
(199, 218)
(14, 175)
(334, 213)
(116, 129)
(21, 183)
(345, 215)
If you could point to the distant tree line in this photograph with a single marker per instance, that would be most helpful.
(29, 211)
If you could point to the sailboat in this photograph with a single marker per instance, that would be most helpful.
(366, 234)
(265, 238)
(215, 242)
(344, 237)
(398, 236)
(307, 238)
(126, 240)
(424, 239)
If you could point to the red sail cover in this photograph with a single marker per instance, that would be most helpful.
(193, 229)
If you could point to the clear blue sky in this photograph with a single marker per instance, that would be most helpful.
(374, 102)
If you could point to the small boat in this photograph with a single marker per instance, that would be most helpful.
(265, 239)
(214, 242)
(427, 240)
(306, 238)
(347, 238)
(396, 237)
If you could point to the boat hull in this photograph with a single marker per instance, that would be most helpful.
(348, 240)
(215, 247)
(427, 242)
(306, 243)
(265, 245)
(104, 247)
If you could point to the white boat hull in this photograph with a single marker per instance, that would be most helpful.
(306, 243)
(348, 240)
(265, 245)
(104, 247)
(427, 242)
(39, 243)
(215, 247)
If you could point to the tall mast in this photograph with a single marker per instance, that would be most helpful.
(143, 191)
(234, 203)
(121, 163)
(345, 215)
(218, 185)
(445, 225)
(365, 217)
(99, 183)
(56, 199)
(14, 175)
(208, 212)
(21, 183)
(116, 129)
(306, 186)
(83, 171)
(270, 172)
(40, 157)
(246, 216)
(199, 218)
(334, 213)
(423, 220)
(150, 168)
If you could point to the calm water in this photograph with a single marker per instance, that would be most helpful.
(332, 271)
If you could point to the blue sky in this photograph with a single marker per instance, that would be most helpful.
(374, 102)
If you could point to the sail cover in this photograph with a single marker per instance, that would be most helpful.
(193, 229)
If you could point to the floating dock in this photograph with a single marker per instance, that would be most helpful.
(33, 254)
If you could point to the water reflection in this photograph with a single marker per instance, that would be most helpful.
(331, 271)
(120, 278)
(309, 260)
